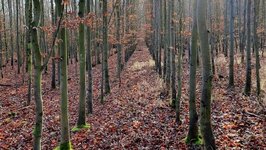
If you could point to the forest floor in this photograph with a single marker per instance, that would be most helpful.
(134, 115)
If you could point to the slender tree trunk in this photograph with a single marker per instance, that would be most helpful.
(165, 40)
(28, 13)
(105, 49)
(205, 105)
(18, 35)
(37, 77)
(225, 29)
(1, 51)
(118, 39)
(53, 60)
(193, 116)
(4, 25)
(244, 32)
(64, 123)
(11, 34)
(248, 52)
(180, 62)
(256, 44)
(82, 68)
(89, 96)
(231, 55)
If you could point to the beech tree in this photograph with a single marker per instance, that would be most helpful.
(193, 116)
(256, 44)
(64, 123)
(105, 49)
(89, 61)
(82, 67)
(248, 51)
(231, 55)
(37, 76)
(205, 105)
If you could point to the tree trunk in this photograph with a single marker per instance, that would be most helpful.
(248, 51)
(11, 34)
(105, 49)
(180, 62)
(18, 35)
(4, 25)
(64, 123)
(89, 63)
(231, 64)
(256, 44)
(205, 105)
(37, 77)
(225, 29)
(118, 39)
(28, 13)
(53, 84)
(82, 68)
(193, 116)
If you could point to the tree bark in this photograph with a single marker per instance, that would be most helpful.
(205, 105)
(248, 51)
(105, 49)
(193, 116)
(89, 63)
(231, 54)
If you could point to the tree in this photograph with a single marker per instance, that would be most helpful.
(37, 76)
(118, 39)
(248, 51)
(4, 27)
(64, 123)
(205, 105)
(28, 14)
(225, 45)
(53, 84)
(11, 34)
(180, 62)
(105, 49)
(243, 35)
(18, 35)
(1, 51)
(231, 54)
(171, 52)
(89, 64)
(193, 116)
(157, 34)
(256, 46)
(82, 68)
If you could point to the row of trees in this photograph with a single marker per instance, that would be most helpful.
(203, 40)
(50, 36)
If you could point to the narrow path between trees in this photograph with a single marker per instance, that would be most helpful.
(133, 115)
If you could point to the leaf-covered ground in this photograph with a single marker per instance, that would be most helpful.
(134, 115)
